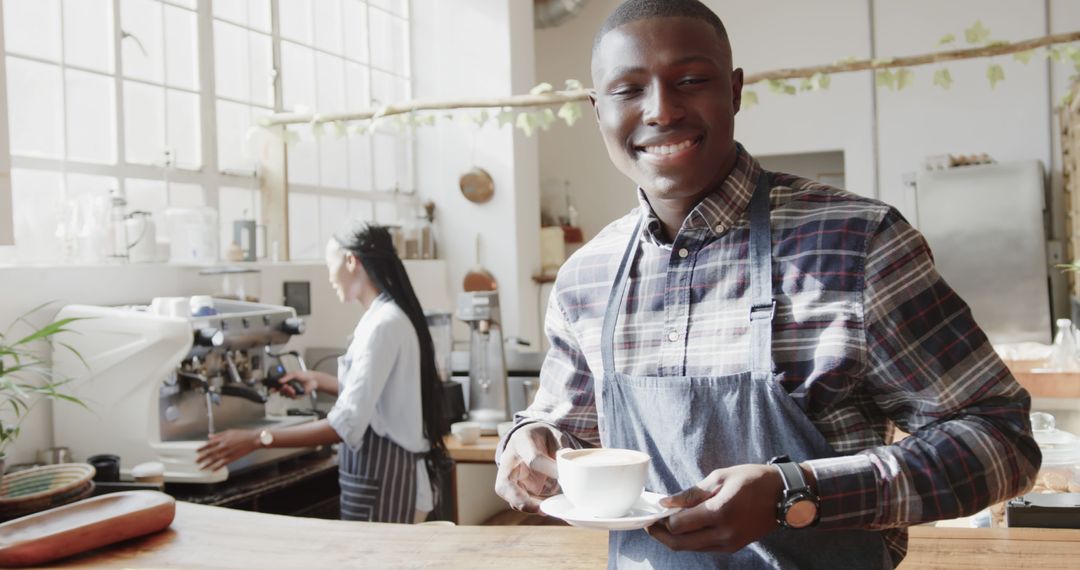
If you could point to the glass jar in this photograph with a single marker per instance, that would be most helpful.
(1060, 471)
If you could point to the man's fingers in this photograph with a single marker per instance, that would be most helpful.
(541, 463)
(509, 489)
(695, 495)
(706, 540)
(703, 515)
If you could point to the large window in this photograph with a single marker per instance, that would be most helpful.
(157, 99)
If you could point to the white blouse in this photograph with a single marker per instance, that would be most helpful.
(379, 379)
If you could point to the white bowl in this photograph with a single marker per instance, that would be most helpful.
(602, 483)
(468, 433)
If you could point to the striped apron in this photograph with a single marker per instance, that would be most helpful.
(378, 481)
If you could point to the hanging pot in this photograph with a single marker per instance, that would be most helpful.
(477, 185)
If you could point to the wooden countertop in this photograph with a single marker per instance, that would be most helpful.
(215, 538)
(480, 452)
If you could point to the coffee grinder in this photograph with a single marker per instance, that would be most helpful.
(488, 403)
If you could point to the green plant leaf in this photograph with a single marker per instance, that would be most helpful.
(995, 74)
(997, 43)
(1067, 100)
(574, 85)
(48, 331)
(977, 34)
(885, 78)
(317, 130)
(947, 39)
(824, 81)
(904, 78)
(340, 130)
(1024, 56)
(806, 84)
(526, 122)
(546, 118)
(943, 78)
(570, 112)
(541, 89)
(506, 117)
(1053, 53)
(749, 99)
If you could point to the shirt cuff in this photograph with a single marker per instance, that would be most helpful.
(565, 439)
(848, 490)
(339, 420)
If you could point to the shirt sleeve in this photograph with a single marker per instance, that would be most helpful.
(933, 372)
(363, 379)
(565, 400)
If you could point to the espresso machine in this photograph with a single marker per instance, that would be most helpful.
(487, 402)
(157, 383)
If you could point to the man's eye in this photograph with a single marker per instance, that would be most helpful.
(692, 80)
(625, 91)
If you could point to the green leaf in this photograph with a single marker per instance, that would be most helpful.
(806, 84)
(977, 34)
(847, 60)
(947, 39)
(541, 89)
(885, 78)
(506, 117)
(995, 74)
(823, 81)
(47, 331)
(1024, 56)
(1067, 100)
(340, 130)
(997, 43)
(904, 78)
(943, 78)
(317, 130)
(290, 137)
(527, 123)
(570, 112)
(1053, 54)
(749, 99)
(574, 85)
(781, 87)
(481, 118)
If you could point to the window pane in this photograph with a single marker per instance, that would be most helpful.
(399, 7)
(360, 162)
(90, 187)
(303, 160)
(261, 69)
(144, 123)
(236, 204)
(184, 129)
(298, 75)
(386, 213)
(186, 195)
(333, 216)
(387, 89)
(182, 57)
(148, 196)
(295, 20)
(231, 10)
(233, 120)
(37, 200)
(35, 108)
(389, 43)
(259, 15)
(328, 25)
(304, 227)
(191, 4)
(356, 86)
(361, 210)
(142, 43)
(330, 74)
(333, 161)
(230, 61)
(393, 162)
(91, 117)
(88, 38)
(356, 30)
(32, 27)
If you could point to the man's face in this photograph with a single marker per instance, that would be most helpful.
(666, 99)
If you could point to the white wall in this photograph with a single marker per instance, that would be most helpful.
(1012, 122)
(328, 325)
(481, 48)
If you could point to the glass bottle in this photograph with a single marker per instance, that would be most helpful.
(1063, 354)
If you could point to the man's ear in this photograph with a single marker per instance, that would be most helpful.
(736, 88)
(592, 101)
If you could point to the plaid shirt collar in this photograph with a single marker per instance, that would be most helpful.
(719, 211)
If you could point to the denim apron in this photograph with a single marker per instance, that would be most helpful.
(690, 426)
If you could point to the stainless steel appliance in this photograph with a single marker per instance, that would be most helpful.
(487, 400)
(155, 386)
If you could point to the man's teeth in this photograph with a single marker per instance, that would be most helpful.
(669, 148)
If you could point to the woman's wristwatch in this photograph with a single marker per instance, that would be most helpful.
(266, 438)
(798, 505)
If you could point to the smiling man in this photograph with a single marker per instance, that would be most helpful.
(758, 335)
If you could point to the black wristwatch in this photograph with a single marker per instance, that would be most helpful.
(798, 506)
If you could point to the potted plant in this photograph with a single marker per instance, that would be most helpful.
(26, 377)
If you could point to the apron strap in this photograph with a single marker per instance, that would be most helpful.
(762, 307)
(762, 303)
(616, 298)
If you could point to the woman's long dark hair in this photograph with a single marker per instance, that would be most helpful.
(374, 247)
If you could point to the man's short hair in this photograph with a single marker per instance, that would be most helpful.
(634, 10)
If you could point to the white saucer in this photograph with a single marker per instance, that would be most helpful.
(645, 512)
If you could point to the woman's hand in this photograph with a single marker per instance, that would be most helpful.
(527, 470)
(724, 512)
(225, 447)
(306, 378)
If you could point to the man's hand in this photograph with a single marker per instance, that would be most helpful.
(724, 512)
(527, 470)
(225, 447)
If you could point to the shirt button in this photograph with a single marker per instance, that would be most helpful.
(673, 336)
(683, 252)
(719, 228)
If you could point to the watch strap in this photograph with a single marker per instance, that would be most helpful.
(792, 475)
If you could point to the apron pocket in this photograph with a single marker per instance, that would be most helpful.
(359, 496)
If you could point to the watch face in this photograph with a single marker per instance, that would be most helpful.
(266, 437)
(801, 514)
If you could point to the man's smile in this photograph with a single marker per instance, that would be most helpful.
(668, 150)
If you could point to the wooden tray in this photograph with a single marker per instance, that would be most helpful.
(85, 525)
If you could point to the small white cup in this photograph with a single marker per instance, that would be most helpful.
(171, 307)
(503, 428)
(468, 433)
(602, 483)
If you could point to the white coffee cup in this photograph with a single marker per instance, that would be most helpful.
(602, 483)
(468, 433)
(171, 306)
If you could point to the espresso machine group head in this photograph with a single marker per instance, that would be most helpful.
(156, 386)
(487, 403)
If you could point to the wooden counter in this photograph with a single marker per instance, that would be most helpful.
(215, 538)
(480, 452)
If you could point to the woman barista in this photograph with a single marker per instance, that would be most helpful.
(387, 412)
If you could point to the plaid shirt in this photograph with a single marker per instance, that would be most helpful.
(867, 335)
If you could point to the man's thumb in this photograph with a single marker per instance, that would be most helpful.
(693, 496)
